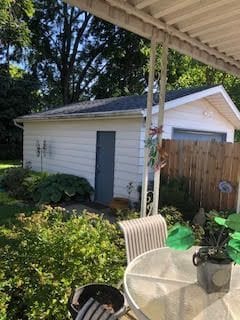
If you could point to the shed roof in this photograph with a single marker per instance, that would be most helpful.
(136, 105)
(113, 104)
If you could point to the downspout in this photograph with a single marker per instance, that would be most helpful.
(17, 125)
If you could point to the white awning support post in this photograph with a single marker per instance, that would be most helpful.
(162, 94)
(238, 196)
(148, 125)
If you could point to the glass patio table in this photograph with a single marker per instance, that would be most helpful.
(162, 285)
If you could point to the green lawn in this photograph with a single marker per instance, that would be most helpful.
(10, 207)
(8, 164)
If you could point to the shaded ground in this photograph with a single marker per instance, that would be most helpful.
(92, 207)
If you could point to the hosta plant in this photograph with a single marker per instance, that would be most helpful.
(223, 245)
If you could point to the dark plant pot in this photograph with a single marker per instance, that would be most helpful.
(104, 294)
(213, 275)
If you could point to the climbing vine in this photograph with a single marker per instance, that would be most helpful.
(157, 154)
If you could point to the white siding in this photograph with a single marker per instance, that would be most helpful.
(71, 148)
(72, 144)
(199, 115)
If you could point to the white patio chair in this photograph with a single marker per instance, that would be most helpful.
(143, 234)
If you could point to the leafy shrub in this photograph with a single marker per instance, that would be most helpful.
(12, 180)
(174, 192)
(171, 215)
(212, 229)
(21, 182)
(47, 254)
(10, 152)
(60, 187)
(28, 185)
(126, 214)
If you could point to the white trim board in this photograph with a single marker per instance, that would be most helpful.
(201, 95)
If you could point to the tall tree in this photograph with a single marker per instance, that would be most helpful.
(19, 94)
(14, 31)
(73, 50)
(183, 71)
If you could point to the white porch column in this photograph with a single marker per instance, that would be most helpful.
(238, 195)
(162, 94)
(148, 125)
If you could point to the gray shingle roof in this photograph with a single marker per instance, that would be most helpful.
(120, 104)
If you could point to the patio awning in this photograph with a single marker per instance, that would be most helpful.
(207, 30)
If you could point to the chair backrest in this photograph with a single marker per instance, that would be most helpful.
(143, 234)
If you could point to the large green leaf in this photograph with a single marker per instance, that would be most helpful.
(70, 191)
(180, 237)
(233, 250)
(220, 221)
(235, 235)
(56, 196)
(233, 222)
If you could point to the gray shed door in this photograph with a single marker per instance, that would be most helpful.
(179, 134)
(104, 172)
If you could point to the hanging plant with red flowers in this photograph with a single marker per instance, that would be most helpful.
(157, 155)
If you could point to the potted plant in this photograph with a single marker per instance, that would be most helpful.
(213, 261)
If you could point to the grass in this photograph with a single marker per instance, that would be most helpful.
(9, 206)
(8, 164)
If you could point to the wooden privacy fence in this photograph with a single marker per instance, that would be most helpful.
(205, 164)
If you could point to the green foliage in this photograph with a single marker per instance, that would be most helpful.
(171, 215)
(42, 188)
(78, 56)
(20, 182)
(183, 72)
(233, 250)
(6, 164)
(10, 208)
(232, 222)
(180, 237)
(51, 252)
(174, 192)
(57, 187)
(12, 180)
(221, 242)
(126, 214)
(14, 15)
(18, 96)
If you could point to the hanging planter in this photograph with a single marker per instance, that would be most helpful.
(157, 155)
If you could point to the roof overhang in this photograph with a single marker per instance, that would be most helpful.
(206, 30)
(136, 113)
(216, 96)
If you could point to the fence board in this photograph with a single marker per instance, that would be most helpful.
(205, 164)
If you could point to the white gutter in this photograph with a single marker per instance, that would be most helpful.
(90, 115)
(17, 125)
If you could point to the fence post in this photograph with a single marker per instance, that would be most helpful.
(238, 195)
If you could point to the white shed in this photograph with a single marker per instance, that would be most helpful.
(103, 140)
